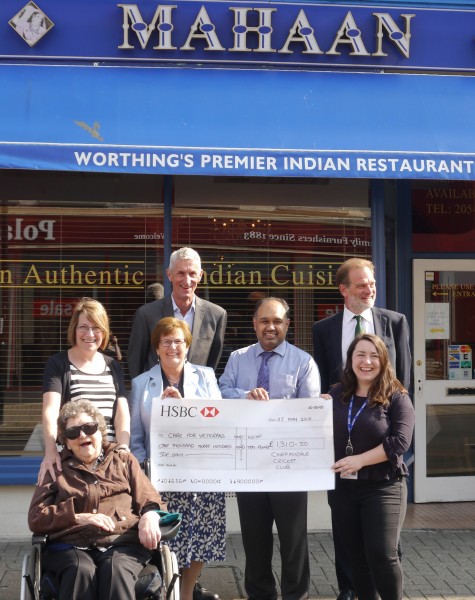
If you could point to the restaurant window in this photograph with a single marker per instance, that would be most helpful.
(51, 256)
(443, 215)
(248, 255)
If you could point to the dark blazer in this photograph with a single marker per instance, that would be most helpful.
(390, 326)
(206, 347)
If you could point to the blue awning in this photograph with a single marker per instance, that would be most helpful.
(242, 122)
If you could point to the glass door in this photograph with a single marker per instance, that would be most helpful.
(444, 380)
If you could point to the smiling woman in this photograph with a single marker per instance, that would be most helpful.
(373, 422)
(366, 366)
(94, 553)
(84, 372)
(83, 433)
(202, 536)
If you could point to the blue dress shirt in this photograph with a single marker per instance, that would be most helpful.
(293, 373)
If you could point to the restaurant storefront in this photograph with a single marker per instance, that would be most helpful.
(56, 253)
(278, 140)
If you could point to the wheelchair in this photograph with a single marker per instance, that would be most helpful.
(158, 580)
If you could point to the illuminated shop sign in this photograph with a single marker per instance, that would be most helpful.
(223, 32)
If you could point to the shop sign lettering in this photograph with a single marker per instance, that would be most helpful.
(456, 290)
(259, 23)
(443, 217)
(49, 308)
(275, 275)
(51, 275)
(288, 34)
(249, 164)
(21, 231)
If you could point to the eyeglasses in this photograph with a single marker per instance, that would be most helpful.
(73, 433)
(168, 343)
(86, 329)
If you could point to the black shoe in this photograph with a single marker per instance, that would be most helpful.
(201, 593)
(346, 595)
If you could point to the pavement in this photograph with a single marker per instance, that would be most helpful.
(439, 564)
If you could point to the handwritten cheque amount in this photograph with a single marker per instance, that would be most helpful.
(242, 445)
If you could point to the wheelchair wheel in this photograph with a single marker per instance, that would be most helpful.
(30, 576)
(171, 579)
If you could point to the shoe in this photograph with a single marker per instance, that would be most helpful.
(201, 593)
(346, 595)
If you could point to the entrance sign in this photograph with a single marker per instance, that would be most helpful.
(242, 445)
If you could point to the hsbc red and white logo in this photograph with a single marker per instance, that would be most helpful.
(209, 411)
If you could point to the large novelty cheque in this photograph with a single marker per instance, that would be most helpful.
(242, 445)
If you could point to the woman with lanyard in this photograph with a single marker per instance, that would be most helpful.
(373, 422)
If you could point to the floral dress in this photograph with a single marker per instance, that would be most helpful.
(202, 535)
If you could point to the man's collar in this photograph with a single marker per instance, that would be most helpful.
(176, 307)
(280, 349)
(348, 315)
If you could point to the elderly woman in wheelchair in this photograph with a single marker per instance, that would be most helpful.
(101, 515)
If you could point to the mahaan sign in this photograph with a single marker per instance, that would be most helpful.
(286, 34)
(253, 31)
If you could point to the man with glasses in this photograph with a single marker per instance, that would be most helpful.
(207, 321)
(331, 339)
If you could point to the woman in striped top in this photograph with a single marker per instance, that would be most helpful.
(84, 372)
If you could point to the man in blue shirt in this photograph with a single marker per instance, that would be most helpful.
(272, 368)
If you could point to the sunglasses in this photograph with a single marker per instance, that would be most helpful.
(74, 432)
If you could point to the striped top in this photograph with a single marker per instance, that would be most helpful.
(60, 375)
(99, 389)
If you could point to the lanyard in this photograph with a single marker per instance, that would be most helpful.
(351, 423)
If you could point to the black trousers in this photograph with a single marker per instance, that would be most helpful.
(368, 517)
(96, 575)
(342, 562)
(257, 513)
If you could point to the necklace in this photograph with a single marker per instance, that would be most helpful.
(97, 462)
(173, 383)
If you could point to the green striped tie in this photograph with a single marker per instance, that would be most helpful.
(359, 329)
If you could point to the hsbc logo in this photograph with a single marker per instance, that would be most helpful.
(179, 411)
(209, 411)
(186, 412)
